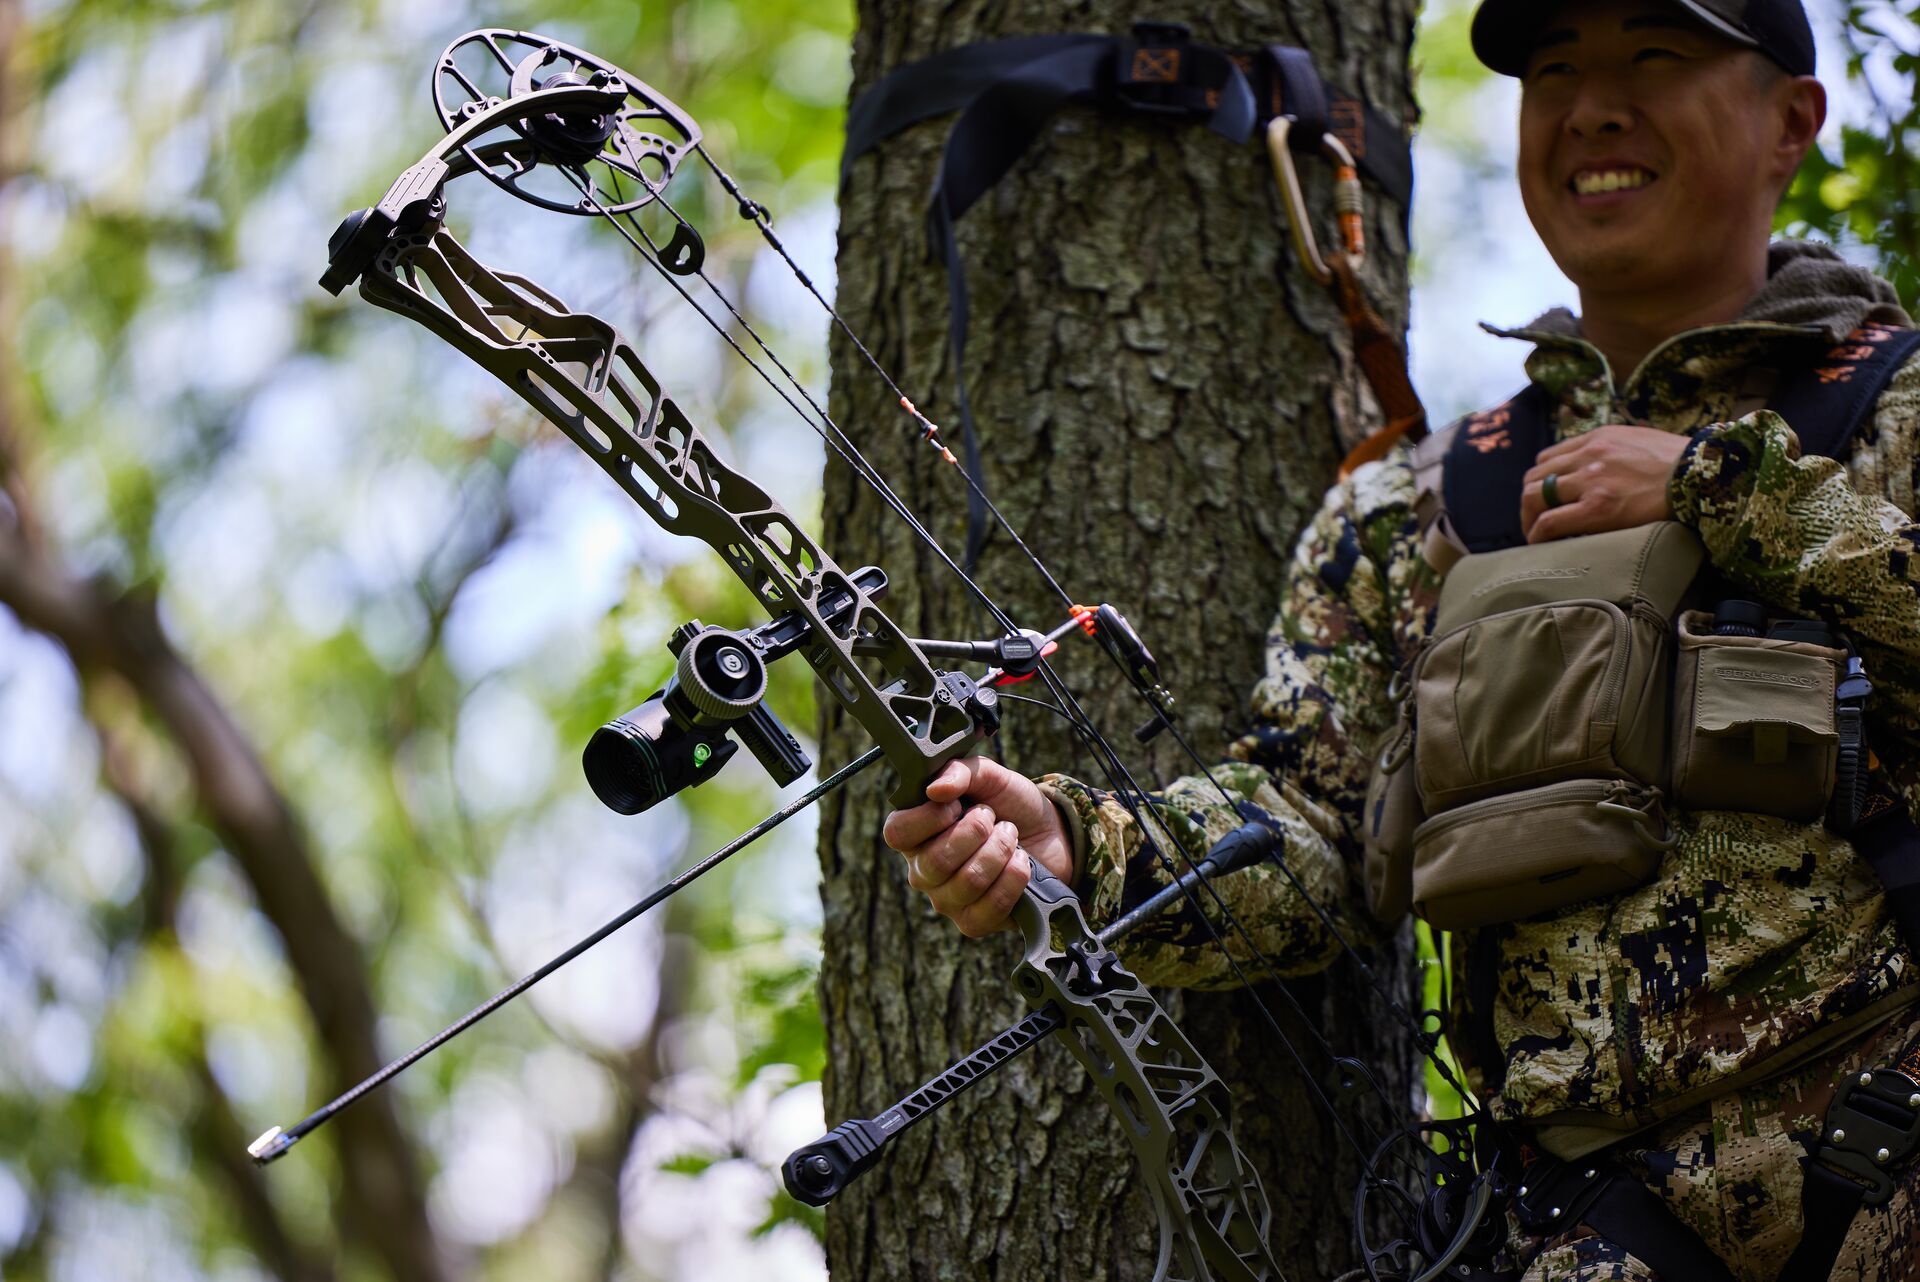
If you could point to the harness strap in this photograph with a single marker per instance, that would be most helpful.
(1825, 400)
(1828, 1205)
(1006, 92)
(993, 131)
(1870, 1131)
(1558, 1195)
(1384, 362)
(1483, 991)
(1283, 82)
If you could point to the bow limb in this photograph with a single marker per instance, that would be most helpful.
(416, 199)
(590, 383)
(1175, 1110)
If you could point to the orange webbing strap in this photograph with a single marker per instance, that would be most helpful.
(1384, 362)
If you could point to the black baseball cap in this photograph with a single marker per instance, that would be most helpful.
(1504, 31)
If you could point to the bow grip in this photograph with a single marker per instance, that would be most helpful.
(1046, 887)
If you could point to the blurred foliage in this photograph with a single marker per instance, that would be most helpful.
(419, 603)
(1869, 193)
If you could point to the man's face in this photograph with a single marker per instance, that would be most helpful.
(1648, 146)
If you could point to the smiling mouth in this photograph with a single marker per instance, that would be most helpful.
(1601, 182)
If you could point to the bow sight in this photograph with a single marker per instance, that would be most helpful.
(680, 737)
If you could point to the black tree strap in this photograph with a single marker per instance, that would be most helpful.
(1007, 90)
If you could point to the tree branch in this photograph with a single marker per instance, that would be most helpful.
(215, 1132)
(106, 630)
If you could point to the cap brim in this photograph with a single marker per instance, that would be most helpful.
(1505, 31)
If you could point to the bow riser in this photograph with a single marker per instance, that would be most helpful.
(581, 376)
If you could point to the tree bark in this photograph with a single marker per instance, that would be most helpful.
(1163, 397)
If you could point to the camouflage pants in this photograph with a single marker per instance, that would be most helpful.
(1731, 1171)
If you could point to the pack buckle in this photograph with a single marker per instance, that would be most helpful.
(1872, 1126)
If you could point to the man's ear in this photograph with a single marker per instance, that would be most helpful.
(1801, 103)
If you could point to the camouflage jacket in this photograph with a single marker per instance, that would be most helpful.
(1760, 939)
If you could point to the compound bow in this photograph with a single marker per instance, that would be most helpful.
(523, 110)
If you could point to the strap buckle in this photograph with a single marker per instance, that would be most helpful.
(1155, 73)
(1554, 1194)
(1872, 1126)
(1151, 75)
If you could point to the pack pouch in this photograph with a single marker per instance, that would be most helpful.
(1540, 718)
(1388, 820)
(1510, 857)
(1754, 724)
(1551, 662)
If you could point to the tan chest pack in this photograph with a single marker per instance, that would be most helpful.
(1567, 692)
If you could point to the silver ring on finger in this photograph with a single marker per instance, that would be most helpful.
(1550, 490)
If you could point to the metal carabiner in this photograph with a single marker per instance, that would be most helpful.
(1346, 198)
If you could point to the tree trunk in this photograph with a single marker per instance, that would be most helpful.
(1162, 397)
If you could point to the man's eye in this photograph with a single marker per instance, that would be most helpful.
(1653, 52)
(1546, 69)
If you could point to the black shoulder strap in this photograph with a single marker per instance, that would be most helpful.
(947, 81)
(1486, 456)
(1157, 70)
(1826, 402)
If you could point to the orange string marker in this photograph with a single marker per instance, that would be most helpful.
(930, 431)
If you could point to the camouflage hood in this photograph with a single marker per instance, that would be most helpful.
(1808, 286)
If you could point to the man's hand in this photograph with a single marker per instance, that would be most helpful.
(1612, 478)
(972, 862)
